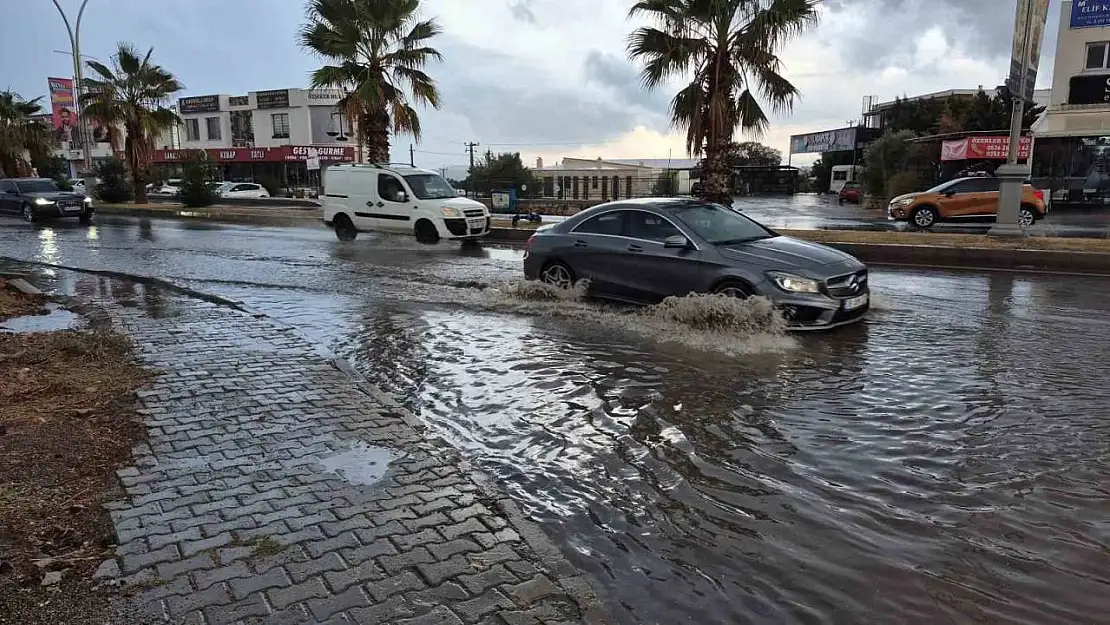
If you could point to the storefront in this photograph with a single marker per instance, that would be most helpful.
(290, 166)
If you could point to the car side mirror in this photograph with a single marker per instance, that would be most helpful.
(676, 241)
(401, 196)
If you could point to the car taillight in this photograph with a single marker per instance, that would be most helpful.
(1039, 194)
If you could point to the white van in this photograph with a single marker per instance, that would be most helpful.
(842, 175)
(367, 197)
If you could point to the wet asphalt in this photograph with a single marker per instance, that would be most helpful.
(945, 461)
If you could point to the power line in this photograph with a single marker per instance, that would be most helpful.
(439, 153)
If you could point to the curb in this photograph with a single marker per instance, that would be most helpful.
(573, 581)
(206, 214)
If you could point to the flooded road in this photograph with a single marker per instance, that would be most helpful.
(946, 461)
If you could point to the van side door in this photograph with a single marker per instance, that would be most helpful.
(393, 208)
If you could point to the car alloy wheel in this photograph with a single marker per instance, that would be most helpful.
(28, 213)
(732, 291)
(558, 275)
(924, 217)
(1026, 217)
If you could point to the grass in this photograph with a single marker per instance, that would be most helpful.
(940, 239)
(67, 422)
(15, 304)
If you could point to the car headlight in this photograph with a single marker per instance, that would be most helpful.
(794, 284)
(450, 211)
(88, 200)
(902, 203)
(43, 201)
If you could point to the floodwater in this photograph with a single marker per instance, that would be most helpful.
(946, 461)
(55, 318)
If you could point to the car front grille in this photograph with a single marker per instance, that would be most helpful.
(474, 212)
(847, 285)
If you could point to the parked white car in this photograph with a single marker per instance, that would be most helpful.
(169, 188)
(367, 197)
(83, 185)
(232, 190)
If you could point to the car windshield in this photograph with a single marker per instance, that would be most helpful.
(430, 186)
(37, 186)
(719, 225)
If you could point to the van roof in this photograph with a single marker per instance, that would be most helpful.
(398, 168)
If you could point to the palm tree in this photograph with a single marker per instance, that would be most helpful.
(21, 133)
(134, 93)
(379, 49)
(727, 50)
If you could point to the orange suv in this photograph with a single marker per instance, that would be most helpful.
(963, 199)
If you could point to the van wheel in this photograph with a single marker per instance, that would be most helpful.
(426, 232)
(924, 217)
(344, 228)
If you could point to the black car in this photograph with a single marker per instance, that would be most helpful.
(36, 199)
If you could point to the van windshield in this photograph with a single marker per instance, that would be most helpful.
(430, 186)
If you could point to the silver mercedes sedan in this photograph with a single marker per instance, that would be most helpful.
(641, 251)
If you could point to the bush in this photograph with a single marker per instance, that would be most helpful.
(198, 172)
(905, 182)
(114, 187)
(55, 168)
(273, 187)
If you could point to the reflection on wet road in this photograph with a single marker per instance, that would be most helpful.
(947, 461)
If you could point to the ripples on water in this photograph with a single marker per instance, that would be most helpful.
(946, 462)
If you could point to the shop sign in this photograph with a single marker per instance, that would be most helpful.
(840, 140)
(289, 153)
(276, 99)
(1089, 89)
(1090, 13)
(239, 100)
(199, 104)
(324, 96)
(982, 147)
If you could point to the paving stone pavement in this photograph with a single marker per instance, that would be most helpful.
(255, 501)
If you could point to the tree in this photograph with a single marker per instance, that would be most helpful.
(198, 172)
(895, 167)
(21, 135)
(113, 187)
(501, 172)
(53, 167)
(133, 93)
(728, 50)
(379, 49)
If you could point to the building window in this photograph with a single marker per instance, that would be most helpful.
(1096, 55)
(281, 125)
(213, 124)
(628, 187)
(595, 182)
(192, 130)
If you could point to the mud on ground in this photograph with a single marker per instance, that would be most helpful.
(67, 422)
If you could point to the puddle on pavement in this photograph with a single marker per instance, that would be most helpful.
(57, 318)
(362, 464)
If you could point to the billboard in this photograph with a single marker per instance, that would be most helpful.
(62, 106)
(1090, 13)
(983, 147)
(276, 99)
(840, 140)
(199, 104)
(1026, 55)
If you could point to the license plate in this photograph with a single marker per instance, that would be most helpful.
(856, 302)
(477, 224)
(71, 208)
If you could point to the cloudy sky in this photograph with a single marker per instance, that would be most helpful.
(546, 78)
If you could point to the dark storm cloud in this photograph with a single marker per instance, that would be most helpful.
(980, 28)
(622, 79)
(508, 101)
(522, 11)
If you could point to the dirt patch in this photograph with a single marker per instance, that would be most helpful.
(15, 304)
(941, 239)
(67, 422)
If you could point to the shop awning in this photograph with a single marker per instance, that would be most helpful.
(1085, 122)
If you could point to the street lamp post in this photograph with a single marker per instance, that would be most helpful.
(78, 78)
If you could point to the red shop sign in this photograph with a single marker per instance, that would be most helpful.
(983, 147)
(284, 153)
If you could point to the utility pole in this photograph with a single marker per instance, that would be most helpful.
(412, 157)
(470, 148)
(75, 49)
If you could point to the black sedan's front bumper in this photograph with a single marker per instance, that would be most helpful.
(54, 211)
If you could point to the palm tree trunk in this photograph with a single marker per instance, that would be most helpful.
(377, 136)
(718, 174)
(131, 149)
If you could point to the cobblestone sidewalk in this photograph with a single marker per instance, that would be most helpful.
(276, 489)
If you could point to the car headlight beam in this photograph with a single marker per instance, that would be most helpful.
(794, 284)
(43, 201)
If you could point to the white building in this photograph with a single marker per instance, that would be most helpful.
(1080, 103)
(585, 179)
